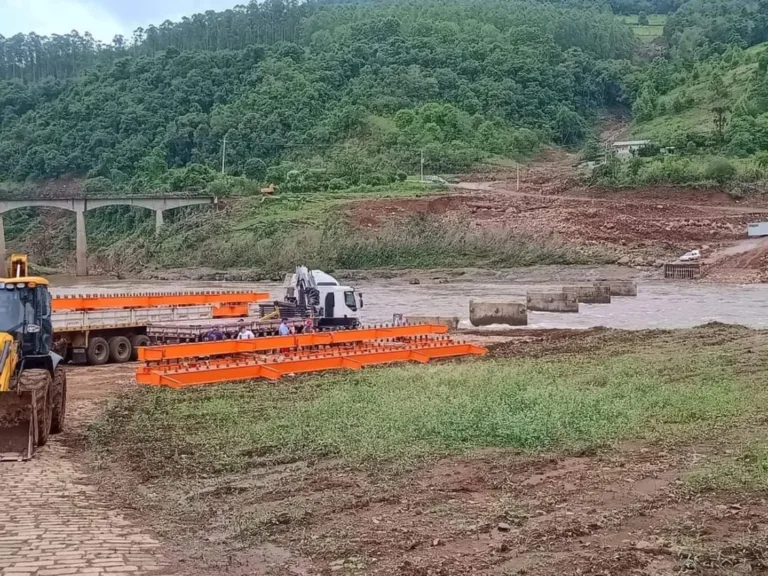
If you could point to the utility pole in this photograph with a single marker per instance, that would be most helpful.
(422, 165)
(223, 154)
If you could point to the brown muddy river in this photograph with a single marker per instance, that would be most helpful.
(659, 304)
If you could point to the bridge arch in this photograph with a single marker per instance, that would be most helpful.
(81, 205)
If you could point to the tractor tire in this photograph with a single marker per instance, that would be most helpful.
(97, 353)
(59, 400)
(120, 349)
(137, 342)
(40, 383)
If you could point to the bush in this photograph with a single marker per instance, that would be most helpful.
(402, 176)
(376, 179)
(97, 185)
(720, 170)
(255, 169)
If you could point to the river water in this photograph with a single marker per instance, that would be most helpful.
(659, 304)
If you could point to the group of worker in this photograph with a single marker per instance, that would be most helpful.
(244, 332)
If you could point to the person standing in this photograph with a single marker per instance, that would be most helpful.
(283, 330)
(245, 333)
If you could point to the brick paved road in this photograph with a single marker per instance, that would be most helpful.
(52, 523)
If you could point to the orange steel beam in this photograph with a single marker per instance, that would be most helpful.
(230, 311)
(228, 347)
(275, 370)
(109, 301)
(296, 354)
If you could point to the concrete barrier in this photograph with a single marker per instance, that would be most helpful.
(589, 294)
(552, 302)
(451, 321)
(619, 287)
(487, 313)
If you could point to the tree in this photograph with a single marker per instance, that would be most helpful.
(721, 121)
(642, 19)
(569, 127)
(717, 85)
(255, 169)
(592, 150)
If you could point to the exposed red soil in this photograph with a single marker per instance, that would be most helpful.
(643, 226)
(625, 510)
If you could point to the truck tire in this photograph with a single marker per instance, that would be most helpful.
(97, 352)
(40, 383)
(120, 349)
(138, 341)
(59, 400)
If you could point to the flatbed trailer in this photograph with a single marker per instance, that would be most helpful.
(186, 332)
(98, 329)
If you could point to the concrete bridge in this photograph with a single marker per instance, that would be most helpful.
(81, 205)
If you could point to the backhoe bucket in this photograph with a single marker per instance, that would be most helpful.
(18, 425)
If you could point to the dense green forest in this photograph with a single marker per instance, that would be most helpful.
(327, 95)
(354, 96)
(310, 95)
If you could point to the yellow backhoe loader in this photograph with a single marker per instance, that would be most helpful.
(33, 384)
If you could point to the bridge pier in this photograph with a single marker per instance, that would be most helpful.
(81, 245)
(2, 244)
(158, 221)
(81, 205)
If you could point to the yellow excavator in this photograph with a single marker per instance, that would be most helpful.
(33, 384)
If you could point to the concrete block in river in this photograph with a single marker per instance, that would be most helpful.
(590, 294)
(488, 313)
(552, 302)
(451, 321)
(619, 287)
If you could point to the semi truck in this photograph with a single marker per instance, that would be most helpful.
(103, 328)
(109, 328)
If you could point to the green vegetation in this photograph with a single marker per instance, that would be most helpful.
(681, 170)
(310, 96)
(273, 234)
(650, 387)
(646, 27)
(273, 237)
(748, 470)
(323, 97)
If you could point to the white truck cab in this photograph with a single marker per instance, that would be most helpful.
(336, 305)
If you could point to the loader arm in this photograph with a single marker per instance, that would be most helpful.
(9, 358)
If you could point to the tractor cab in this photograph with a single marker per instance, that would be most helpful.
(25, 309)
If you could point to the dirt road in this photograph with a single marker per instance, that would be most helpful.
(52, 522)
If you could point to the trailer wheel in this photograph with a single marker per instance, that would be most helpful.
(98, 351)
(119, 349)
(59, 400)
(138, 341)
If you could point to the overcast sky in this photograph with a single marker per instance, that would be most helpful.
(102, 18)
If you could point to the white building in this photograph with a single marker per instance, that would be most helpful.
(626, 150)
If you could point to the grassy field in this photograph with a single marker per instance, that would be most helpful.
(650, 32)
(620, 440)
(398, 415)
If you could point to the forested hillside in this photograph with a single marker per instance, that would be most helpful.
(705, 102)
(325, 96)
(333, 95)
